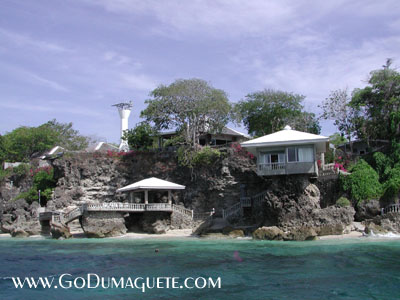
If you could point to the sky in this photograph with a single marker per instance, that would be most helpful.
(72, 59)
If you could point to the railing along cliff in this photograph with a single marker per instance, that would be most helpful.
(118, 206)
(244, 202)
(393, 208)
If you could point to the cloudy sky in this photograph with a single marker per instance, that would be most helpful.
(71, 60)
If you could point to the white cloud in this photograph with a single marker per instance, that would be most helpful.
(138, 82)
(45, 106)
(116, 58)
(25, 40)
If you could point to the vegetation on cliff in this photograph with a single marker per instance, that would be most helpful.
(23, 142)
(267, 111)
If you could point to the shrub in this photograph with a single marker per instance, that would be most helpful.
(191, 158)
(363, 182)
(240, 151)
(43, 180)
(206, 156)
(381, 164)
(142, 136)
(391, 186)
(174, 141)
(21, 170)
(343, 202)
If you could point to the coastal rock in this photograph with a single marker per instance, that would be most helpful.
(19, 232)
(372, 228)
(367, 210)
(7, 223)
(332, 220)
(292, 204)
(269, 233)
(236, 233)
(155, 222)
(301, 234)
(389, 222)
(100, 224)
(60, 231)
(181, 221)
(23, 228)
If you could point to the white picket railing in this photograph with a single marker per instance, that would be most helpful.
(393, 208)
(183, 210)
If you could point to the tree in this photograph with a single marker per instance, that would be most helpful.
(267, 111)
(363, 182)
(192, 106)
(379, 105)
(2, 149)
(67, 137)
(337, 139)
(306, 122)
(140, 137)
(337, 108)
(21, 143)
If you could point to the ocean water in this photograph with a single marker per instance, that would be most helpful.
(348, 269)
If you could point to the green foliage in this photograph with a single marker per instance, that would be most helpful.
(192, 106)
(337, 139)
(4, 173)
(3, 152)
(391, 186)
(21, 170)
(379, 105)
(343, 202)
(206, 156)
(363, 182)
(141, 137)
(203, 157)
(43, 180)
(21, 143)
(268, 111)
(382, 164)
(177, 140)
(337, 108)
(67, 137)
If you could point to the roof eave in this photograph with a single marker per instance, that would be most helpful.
(283, 143)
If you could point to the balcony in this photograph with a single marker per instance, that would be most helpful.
(272, 169)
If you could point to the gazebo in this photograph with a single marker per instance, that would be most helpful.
(151, 184)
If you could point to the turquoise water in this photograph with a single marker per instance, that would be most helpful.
(350, 269)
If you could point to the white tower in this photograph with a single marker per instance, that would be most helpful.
(124, 110)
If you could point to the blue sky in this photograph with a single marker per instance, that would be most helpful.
(71, 60)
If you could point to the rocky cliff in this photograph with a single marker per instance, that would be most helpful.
(291, 201)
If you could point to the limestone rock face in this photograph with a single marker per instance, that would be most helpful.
(100, 224)
(19, 232)
(367, 210)
(302, 233)
(60, 231)
(236, 233)
(293, 205)
(383, 224)
(269, 233)
(155, 222)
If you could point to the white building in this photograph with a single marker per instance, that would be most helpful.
(287, 152)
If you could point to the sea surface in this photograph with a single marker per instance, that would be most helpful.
(362, 268)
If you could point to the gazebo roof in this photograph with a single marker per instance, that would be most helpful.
(151, 184)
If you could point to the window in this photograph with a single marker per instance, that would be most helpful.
(292, 154)
(300, 154)
(273, 157)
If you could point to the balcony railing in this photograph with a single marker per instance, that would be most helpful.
(286, 168)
